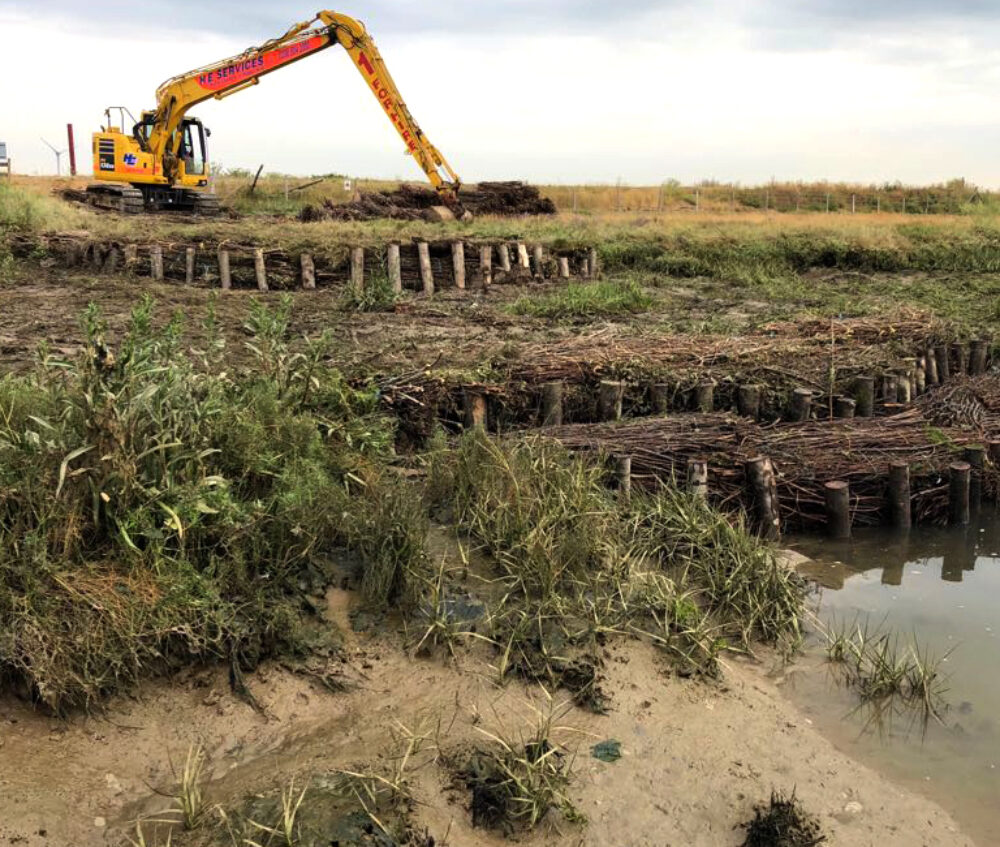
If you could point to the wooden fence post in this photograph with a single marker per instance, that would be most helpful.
(189, 260)
(225, 274)
(156, 262)
(395, 266)
(900, 500)
(838, 509)
(610, 400)
(426, 272)
(260, 269)
(552, 403)
(308, 272)
(764, 489)
(458, 264)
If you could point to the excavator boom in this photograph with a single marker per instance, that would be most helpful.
(161, 155)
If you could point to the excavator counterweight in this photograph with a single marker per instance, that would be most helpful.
(161, 160)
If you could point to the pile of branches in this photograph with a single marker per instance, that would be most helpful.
(793, 358)
(414, 203)
(806, 456)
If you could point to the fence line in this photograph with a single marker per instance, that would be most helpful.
(716, 198)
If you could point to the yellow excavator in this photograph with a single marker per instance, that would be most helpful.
(161, 163)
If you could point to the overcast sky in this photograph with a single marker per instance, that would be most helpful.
(546, 90)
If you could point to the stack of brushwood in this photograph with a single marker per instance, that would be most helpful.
(806, 457)
(413, 203)
(780, 358)
(965, 402)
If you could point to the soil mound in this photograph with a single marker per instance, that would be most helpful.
(413, 203)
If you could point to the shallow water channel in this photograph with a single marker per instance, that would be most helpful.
(940, 587)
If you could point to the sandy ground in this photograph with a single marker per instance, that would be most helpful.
(697, 757)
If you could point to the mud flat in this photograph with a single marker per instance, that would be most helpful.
(695, 757)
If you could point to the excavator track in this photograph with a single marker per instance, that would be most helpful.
(123, 199)
(206, 205)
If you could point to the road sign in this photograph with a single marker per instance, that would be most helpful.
(3, 151)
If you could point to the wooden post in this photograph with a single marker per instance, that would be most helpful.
(864, 394)
(844, 407)
(486, 266)
(704, 396)
(595, 268)
(458, 264)
(610, 401)
(623, 472)
(960, 358)
(156, 262)
(522, 256)
(890, 388)
(395, 266)
(539, 261)
(930, 360)
(920, 380)
(943, 365)
(426, 272)
(764, 490)
(189, 257)
(308, 272)
(904, 389)
(838, 510)
(802, 400)
(585, 268)
(225, 275)
(979, 352)
(131, 258)
(975, 457)
(552, 403)
(748, 401)
(260, 268)
(961, 473)
(475, 408)
(900, 509)
(563, 267)
(697, 478)
(503, 254)
(659, 394)
(358, 269)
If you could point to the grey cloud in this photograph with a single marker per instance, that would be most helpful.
(792, 25)
(265, 19)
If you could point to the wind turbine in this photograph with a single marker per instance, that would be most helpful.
(58, 157)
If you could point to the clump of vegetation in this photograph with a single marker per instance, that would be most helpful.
(783, 823)
(157, 510)
(516, 782)
(579, 565)
(734, 575)
(586, 300)
(376, 294)
(885, 671)
(23, 210)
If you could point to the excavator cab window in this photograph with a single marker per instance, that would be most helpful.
(192, 149)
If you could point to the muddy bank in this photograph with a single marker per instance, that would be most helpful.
(696, 758)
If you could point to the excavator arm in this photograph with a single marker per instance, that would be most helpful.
(177, 96)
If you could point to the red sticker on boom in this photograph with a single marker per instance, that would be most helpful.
(245, 69)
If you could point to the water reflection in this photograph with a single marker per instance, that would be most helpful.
(937, 588)
(955, 551)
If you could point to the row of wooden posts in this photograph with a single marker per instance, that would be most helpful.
(508, 258)
(901, 387)
(934, 367)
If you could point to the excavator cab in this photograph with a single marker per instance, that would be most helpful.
(129, 179)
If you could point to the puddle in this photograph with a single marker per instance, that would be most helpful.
(943, 587)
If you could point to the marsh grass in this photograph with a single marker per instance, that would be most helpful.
(158, 510)
(887, 671)
(578, 566)
(586, 300)
(521, 776)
